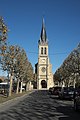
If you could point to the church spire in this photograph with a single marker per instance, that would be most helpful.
(43, 36)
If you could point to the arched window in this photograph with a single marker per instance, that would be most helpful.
(41, 50)
(45, 50)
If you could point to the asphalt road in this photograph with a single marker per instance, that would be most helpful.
(39, 105)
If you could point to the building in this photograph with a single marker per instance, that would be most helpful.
(43, 68)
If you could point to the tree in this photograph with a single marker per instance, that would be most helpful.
(21, 68)
(3, 38)
(29, 73)
(14, 60)
(70, 69)
(9, 63)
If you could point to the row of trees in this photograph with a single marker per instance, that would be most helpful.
(14, 61)
(69, 72)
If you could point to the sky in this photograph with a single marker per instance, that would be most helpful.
(24, 21)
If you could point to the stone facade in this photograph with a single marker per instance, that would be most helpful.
(44, 68)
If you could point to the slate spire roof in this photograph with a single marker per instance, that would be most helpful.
(43, 36)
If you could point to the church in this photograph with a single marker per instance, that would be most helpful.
(43, 69)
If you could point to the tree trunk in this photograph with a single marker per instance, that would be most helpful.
(17, 87)
(10, 89)
(21, 86)
(27, 86)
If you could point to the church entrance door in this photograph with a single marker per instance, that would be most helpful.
(44, 84)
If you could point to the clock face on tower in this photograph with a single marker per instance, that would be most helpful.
(43, 69)
(43, 60)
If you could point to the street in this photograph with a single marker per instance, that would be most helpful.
(40, 105)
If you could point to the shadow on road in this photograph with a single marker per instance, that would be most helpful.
(68, 112)
(40, 106)
(66, 109)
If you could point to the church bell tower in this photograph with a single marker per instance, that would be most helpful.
(44, 68)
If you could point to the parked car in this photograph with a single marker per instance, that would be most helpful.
(77, 99)
(66, 93)
(55, 90)
(51, 90)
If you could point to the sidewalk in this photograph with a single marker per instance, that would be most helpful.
(5, 105)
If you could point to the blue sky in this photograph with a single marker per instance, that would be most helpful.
(62, 21)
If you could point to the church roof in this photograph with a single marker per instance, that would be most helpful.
(43, 36)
